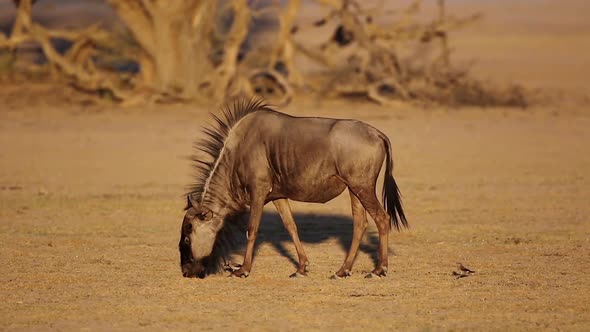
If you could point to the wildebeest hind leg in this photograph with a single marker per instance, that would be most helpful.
(284, 209)
(372, 205)
(359, 215)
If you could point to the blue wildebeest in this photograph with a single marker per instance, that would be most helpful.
(258, 156)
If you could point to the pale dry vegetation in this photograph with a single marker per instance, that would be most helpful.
(207, 51)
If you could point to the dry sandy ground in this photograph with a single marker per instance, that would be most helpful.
(91, 208)
(91, 204)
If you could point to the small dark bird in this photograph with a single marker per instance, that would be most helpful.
(464, 269)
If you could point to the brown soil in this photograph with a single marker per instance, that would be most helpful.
(91, 204)
(91, 208)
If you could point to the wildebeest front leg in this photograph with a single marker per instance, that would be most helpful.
(256, 206)
(284, 209)
(359, 215)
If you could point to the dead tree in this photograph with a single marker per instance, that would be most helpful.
(376, 67)
(174, 41)
(283, 54)
(191, 50)
(74, 65)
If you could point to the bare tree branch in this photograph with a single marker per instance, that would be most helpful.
(138, 20)
(284, 50)
(236, 36)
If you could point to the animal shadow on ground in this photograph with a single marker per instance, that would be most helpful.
(313, 229)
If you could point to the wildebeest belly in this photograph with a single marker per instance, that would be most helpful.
(320, 190)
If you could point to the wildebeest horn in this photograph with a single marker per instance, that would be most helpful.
(189, 201)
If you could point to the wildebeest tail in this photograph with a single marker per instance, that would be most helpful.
(391, 195)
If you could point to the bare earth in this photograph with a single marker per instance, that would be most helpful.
(91, 205)
(91, 208)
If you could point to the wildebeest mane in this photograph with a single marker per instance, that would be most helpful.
(214, 141)
(212, 145)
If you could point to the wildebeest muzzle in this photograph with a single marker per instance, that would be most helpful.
(194, 269)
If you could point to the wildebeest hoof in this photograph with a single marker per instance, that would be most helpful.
(297, 275)
(337, 277)
(377, 273)
(230, 267)
(341, 275)
(240, 273)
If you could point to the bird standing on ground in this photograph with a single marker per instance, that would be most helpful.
(463, 268)
(463, 271)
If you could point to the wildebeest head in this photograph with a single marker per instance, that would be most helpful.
(197, 239)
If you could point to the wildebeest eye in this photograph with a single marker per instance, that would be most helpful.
(187, 240)
(206, 215)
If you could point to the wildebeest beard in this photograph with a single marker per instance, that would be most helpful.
(227, 241)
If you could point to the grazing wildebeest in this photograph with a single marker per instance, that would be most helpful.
(258, 156)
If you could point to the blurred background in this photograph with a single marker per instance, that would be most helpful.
(454, 52)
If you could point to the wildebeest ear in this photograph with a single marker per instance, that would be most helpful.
(205, 215)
